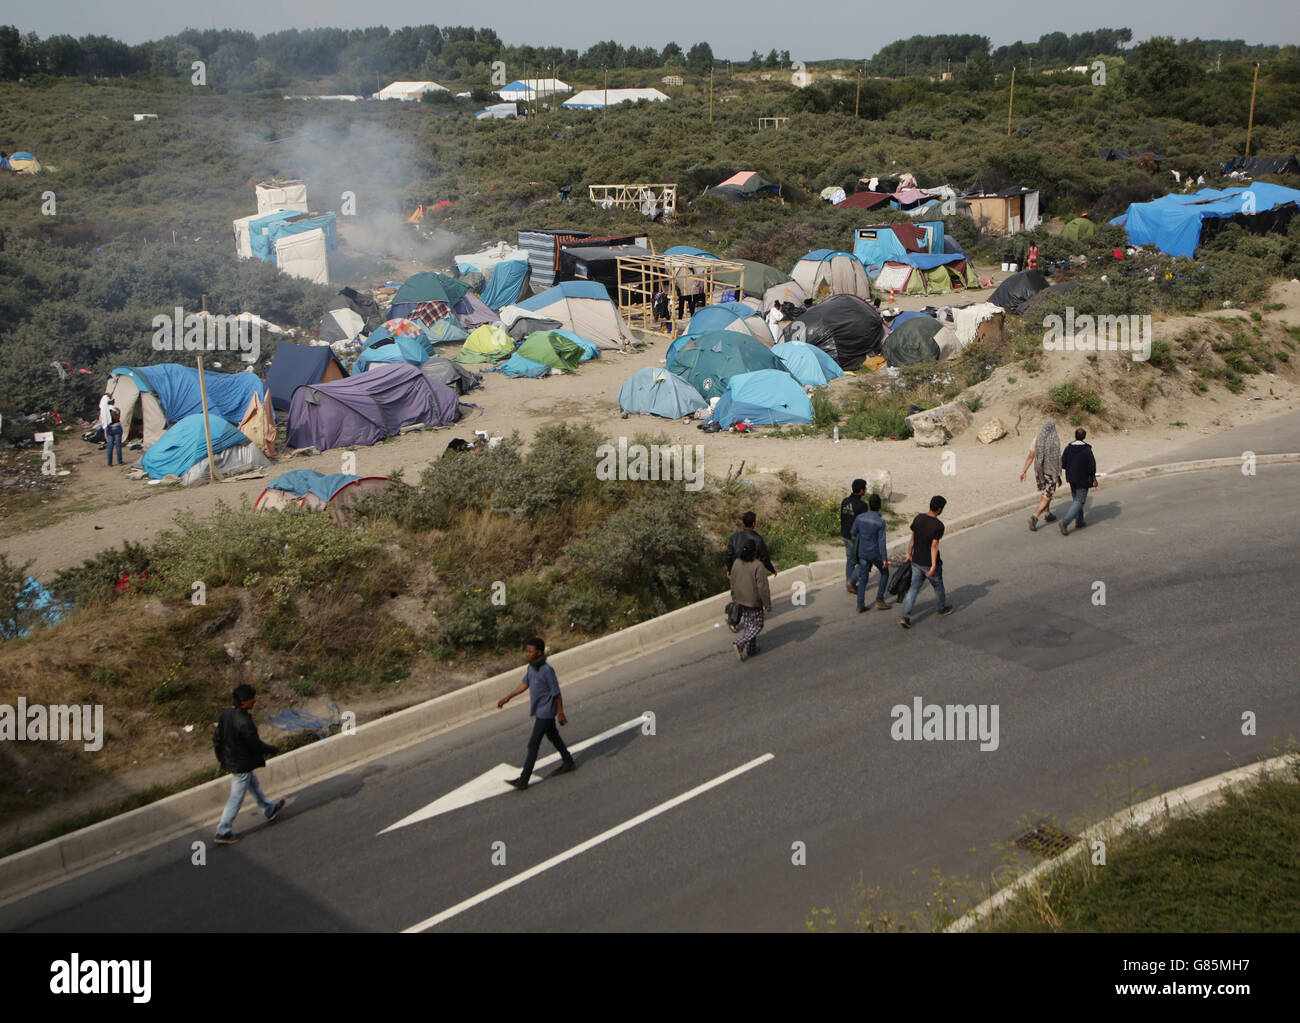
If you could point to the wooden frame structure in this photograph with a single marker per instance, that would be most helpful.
(640, 278)
(772, 122)
(634, 196)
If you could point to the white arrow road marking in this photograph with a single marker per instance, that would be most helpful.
(578, 850)
(493, 783)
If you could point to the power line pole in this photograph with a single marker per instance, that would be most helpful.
(710, 94)
(1251, 126)
(1011, 103)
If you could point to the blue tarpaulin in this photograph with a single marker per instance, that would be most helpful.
(519, 366)
(177, 390)
(301, 482)
(1172, 223)
(383, 348)
(808, 364)
(292, 719)
(265, 231)
(37, 606)
(184, 445)
(764, 397)
(505, 284)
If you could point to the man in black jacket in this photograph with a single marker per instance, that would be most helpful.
(241, 751)
(738, 539)
(1081, 473)
(850, 508)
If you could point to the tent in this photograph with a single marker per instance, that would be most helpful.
(1257, 166)
(497, 112)
(708, 361)
(597, 99)
(583, 307)
(921, 273)
(826, 272)
(316, 491)
(874, 246)
(788, 291)
(834, 195)
(506, 283)
(730, 316)
(20, 163)
(551, 349)
(185, 444)
(763, 398)
(741, 186)
(1175, 224)
(447, 331)
(341, 324)
(295, 365)
(590, 350)
(521, 366)
(1018, 289)
(1078, 229)
(918, 340)
(807, 363)
(426, 286)
(486, 344)
(367, 408)
(688, 250)
(451, 374)
(167, 393)
(386, 349)
(653, 391)
(844, 326)
(471, 311)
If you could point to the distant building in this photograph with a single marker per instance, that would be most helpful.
(408, 90)
(526, 89)
(596, 99)
(672, 80)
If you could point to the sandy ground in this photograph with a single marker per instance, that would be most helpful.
(112, 508)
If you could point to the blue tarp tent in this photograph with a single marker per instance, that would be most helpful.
(656, 392)
(265, 231)
(184, 445)
(518, 366)
(505, 284)
(177, 390)
(388, 349)
(688, 250)
(295, 365)
(447, 331)
(1173, 223)
(763, 398)
(590, 350)
(808, 364)
(301, 482)
(928, 260)
(563, 290)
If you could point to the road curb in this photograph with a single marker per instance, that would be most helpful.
(1171, 805)
(25, 872)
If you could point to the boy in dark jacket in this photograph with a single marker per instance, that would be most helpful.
(850, 508)
(1081, 473)
(738, 539)
(241, 751)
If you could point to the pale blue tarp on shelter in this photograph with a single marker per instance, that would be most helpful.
(447, 331)
(301, 482)
(386, 348)
(1172, 223)
(808, 364)
(565, 289)
(928, 260)
(177, 390)
(505, 284)
(292, 719)
(873, 253)
(656, 392)
(184, 445)
(688, 250)
(590, 350)
(763, 398)
(519, 366)
(265, 231)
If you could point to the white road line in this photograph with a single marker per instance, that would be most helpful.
(578, 850)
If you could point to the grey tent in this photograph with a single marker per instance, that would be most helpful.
(451, 374)
(366, 408)
(1016, 290)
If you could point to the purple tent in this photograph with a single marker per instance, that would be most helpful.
(365, 409)
(473, 312)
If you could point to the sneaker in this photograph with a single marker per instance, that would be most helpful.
(851, 588)
(1033, 523)
(1064, 527)
(229, 839)
(906, 623)
(740, 651)
(880, 605)
(1080, 525)
(275, 810)
(1049, 517)
(945, 611)
(572, 765)
(862, 609)
(517, 783)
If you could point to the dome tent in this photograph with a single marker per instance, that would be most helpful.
(707, 362)
(825, 272)
(764, 398)
(844, 326)
(486, 344)
(808, 364)
(654, 391)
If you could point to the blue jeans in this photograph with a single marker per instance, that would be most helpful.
(114, 437)
(918, 577)
(851, 560)
(864, 573)
(241, 784)
(1080, 495)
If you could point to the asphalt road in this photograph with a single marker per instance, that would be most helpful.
(1197, 628)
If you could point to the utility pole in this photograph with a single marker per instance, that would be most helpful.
(1251, 126)
(710, 95)
(1012, 101)
(605, 105)
(857, 96)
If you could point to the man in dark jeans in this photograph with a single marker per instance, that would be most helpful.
(868, 537)
(923, 552)
(546, 706)
(738, 539)
(241, 751)
(850, 508)
(1080, 467)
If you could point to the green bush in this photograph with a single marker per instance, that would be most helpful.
(1070, 396)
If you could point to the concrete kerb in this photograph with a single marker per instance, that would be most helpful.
(1176, 803)
(31, 869)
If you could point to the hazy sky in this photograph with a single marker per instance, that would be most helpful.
(731, 27)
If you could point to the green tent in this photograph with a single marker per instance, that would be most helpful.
(757, 278)
(1079, 229)
(487, 343)
(551, 349)
(430, 287)
(913, 341)
(707, 362)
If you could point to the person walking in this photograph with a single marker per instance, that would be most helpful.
(868, 536)
(751, 593)
(1033, 257)
(850, 508)
(546, 707)
(241, 751)
(1081, 473)
(110, 420)
(1045, 457)
(923, 553)
(738, 539)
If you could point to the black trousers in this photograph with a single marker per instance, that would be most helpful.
(546, 727)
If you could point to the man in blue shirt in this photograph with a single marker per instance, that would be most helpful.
(546, 706)
(868, 535)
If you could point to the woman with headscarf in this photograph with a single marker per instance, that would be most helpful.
(750, 591)
(1045, 457)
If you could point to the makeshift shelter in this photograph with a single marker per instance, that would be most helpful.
(486, 344)
(367, 408)
(1177, 224)
(521, 366)
(183, 451)
(741, 186)
(20, 163)
(408, 91)
(552, 349)
(920, 339)
(598, 99)
(506, 283)
(653, 391)
(844, 326)
(708, 361)
(918, 273)
(730, 316)
(486, 259)
(167, 393)
(497, 112)
(763, 398)
(317, 491)
(807, 363)
(275, 195)
(384, 349)
(875, 246)
(825, 272)
(295, 365)
(1260, 166)
(864, 200)
(787, 291)
(598, 263)
(471, 311)
(1078, 229)
(1008, 212)
(451, 374)
(590, 350)
(583, 307)
(1018, 289)
(426, 286)
(297, 243)
(447, 331)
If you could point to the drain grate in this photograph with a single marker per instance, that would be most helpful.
(1045, 840)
